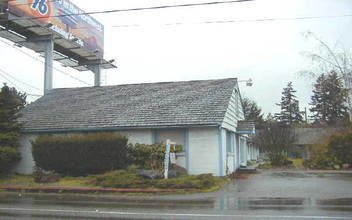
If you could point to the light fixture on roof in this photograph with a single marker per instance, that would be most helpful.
(74, 39)
(248, 82)
(96, 51)
(111, 61)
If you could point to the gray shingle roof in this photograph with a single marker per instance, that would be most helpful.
(137, 105)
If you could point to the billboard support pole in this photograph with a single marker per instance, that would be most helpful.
(48, 70)
(96, 69)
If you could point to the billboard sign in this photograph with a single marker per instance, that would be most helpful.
(67, 20)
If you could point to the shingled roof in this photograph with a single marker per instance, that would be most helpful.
(169, 104)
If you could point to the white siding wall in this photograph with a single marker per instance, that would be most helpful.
(138, 136)
(234, 112)
(204, 151)
(175, 135)
(25, 166)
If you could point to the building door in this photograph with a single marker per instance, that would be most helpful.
(243, 151)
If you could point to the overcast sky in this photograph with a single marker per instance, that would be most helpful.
(261, 40)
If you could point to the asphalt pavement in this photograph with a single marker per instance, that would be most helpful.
(271, 194)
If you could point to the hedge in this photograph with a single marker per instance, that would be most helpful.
(8, 156)
(81, 155)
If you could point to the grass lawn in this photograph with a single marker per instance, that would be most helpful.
(28, 180)
(297, 162)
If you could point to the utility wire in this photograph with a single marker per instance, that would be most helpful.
(75, 78)
(224, 21)
(12, 83)
(16, 86)
(33, 87)
(239, 20)
(134, 9)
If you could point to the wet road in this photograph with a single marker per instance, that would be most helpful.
(274, 194)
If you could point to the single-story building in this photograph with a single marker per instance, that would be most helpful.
(205, 117)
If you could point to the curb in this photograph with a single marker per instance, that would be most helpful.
(88, 190)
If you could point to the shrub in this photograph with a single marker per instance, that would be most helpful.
(278, 159)
(150, 157)
(336, 151)
(81, 155)
(121, 179)
(8, 156)
(322, 158)
(204, 181)
(340, 146)
(129, 179)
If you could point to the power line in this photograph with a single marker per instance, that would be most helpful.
(16, 86)
(20, 80)
(12, 83)
(239, 20)
(134, 9)
(75, 78)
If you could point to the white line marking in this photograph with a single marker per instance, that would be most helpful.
(174, 214)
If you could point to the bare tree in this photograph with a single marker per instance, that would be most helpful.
(275, 140)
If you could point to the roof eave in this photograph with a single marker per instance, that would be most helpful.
(102, 129)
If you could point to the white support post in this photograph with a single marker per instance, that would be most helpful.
(48, 70)
(96, 69)
(167, 157)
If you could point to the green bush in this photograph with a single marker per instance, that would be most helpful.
(278, 159)
(8, 156)
(129, 179)
(150, 157)
(322, 157)
(340, 146)
(204, 181)
(81, 155)
(121, 179)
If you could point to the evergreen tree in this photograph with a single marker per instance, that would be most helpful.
(329, 99)
(252, 112)
(289, 105)
(11, 102)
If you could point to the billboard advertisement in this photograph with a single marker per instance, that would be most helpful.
(67, 20)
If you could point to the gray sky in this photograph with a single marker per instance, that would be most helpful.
(208, 42)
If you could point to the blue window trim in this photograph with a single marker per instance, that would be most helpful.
(245, 132)
(221, 170)
(155, 138)
(186, 147)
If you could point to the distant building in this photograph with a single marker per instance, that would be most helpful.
(206, 117)
(307, 137)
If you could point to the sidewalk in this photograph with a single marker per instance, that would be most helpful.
(54, 189)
